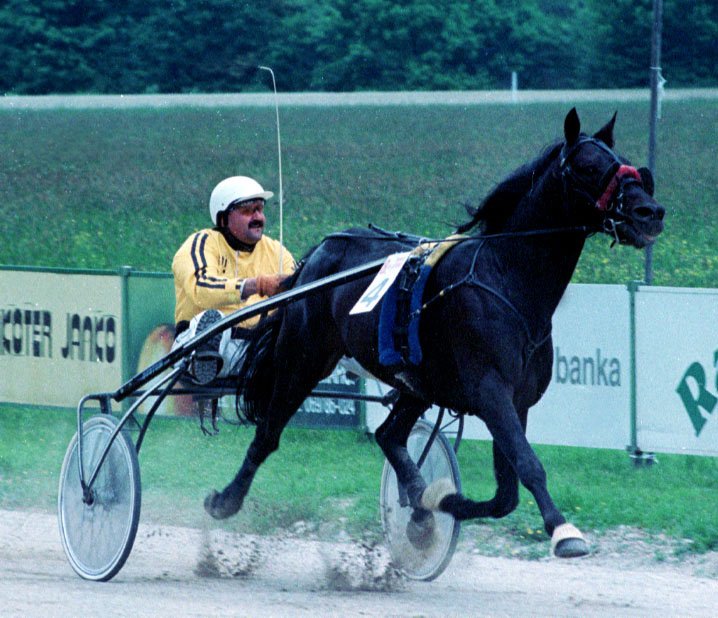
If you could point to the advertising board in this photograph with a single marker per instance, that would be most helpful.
(329, 411)
(60, 336)
(677, 370)
(64, 334)
(588, 402)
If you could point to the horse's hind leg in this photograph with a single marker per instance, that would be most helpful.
(294, 378)
(392, 436)
(228, 502)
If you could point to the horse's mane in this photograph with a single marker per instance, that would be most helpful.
(498, 205)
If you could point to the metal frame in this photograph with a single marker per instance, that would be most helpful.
(166, 387)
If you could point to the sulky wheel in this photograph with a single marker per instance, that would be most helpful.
(422, 551)
(98, 530)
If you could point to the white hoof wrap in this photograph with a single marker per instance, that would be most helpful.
(566, 532)
(436, 492)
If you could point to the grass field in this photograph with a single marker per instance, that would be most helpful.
(104, 188)
(330, 481)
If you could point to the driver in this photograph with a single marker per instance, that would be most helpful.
(225, 268)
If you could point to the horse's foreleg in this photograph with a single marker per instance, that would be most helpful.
(508, 431)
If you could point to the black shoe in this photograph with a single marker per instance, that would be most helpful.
(207, 362)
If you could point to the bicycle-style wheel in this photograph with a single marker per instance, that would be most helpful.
(427, 560)
(98, 534)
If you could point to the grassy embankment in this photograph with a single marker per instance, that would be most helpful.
(103, 188)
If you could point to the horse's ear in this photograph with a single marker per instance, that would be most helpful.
(647, 180)
(571, 126)
(605, 134)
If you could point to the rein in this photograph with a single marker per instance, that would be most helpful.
(470, 277)
(408, 238)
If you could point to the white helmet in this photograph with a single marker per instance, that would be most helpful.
(234, 189)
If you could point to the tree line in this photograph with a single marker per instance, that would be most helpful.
(136, 46)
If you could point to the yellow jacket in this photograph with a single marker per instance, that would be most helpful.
(208, 273)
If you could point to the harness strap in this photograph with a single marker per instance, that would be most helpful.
(470, 278)
(433, 251)
(401, 307)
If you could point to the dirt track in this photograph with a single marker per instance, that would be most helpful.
(169, 574)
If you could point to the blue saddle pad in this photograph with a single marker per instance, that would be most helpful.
(389, 350)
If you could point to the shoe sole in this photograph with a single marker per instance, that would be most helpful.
(207, 362)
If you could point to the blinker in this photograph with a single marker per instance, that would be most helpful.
(647, 180)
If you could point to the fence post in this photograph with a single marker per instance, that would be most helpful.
(638, 457)
(656, 96)
(125, 272)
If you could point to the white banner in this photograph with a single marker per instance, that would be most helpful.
(60, 336)
(677, 370)
(588, 400)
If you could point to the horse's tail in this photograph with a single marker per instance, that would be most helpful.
(256, 379)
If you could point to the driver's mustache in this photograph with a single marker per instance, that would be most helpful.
(256, 224)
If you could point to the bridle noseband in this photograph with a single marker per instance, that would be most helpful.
(609, 196)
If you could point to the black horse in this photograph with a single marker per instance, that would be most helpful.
(485, 327)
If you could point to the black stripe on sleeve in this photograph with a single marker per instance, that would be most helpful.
(199, 261)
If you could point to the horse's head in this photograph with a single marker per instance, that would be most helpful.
(615, 196)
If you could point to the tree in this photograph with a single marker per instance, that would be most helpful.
(622, 49)
(343, 45)
(689, 52)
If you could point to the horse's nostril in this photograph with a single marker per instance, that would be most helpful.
(646, 213)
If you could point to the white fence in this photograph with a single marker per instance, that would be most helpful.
(677, 370)
(60, 337)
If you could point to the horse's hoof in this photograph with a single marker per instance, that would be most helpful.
(420, 529)
(435, 493)
(218, 507)
(568, 542)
